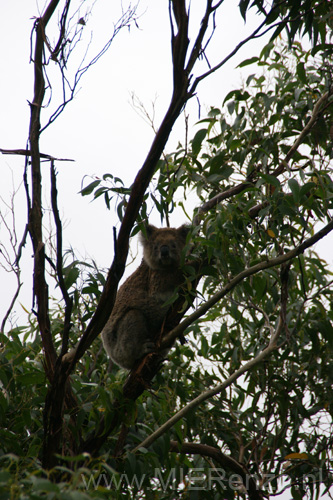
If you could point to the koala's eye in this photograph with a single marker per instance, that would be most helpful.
(173, 245)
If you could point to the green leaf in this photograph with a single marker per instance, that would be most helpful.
(270, 179)
(243, 5)
(247, 62)
(234, 144)
(204, 347)
(71, 274)
(231, 107)
(197, 141)
(295, 189)
(298, 93)
(41, 484)
(90, 188)
(300, 69)
(108, 176)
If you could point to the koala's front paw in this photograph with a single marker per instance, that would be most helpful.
(148, 347)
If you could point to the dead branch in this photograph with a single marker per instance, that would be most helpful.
(53, 415)
(12, 262)
(17, 272)
(70, 89)
(59, 267)
(27, 152)
(40, 287)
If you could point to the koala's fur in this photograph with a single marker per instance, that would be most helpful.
(139, 310)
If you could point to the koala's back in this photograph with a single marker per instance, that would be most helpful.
(146, 290)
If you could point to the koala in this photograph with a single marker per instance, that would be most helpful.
(139, 311)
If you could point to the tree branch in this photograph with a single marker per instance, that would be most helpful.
(281, 259)
(229, 56)
(13, 263)
(35, 215)
(211, 392)
(59, 265)
(27, 152)
(223, 460)
(69, 88)
(52, 413)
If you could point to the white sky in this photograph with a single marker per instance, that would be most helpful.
(100, 130)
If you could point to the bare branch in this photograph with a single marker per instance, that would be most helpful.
(62, 31)
(27, 152)
(35, 215)
(12, 303)
(59, 268)
(253, 35)
(16, 269)
(257, 33)
(127, 18)
(12, 262)
(197, 48)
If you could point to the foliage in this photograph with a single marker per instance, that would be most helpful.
(260, 167)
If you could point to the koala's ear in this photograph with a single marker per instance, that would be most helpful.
(147, 232)
(184, 230)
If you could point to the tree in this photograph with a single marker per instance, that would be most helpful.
(255, 403)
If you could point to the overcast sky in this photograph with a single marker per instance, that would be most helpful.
(100, 130)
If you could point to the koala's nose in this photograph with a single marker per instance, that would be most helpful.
(164, 251)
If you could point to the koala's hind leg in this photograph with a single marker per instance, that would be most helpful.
(132, 339)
